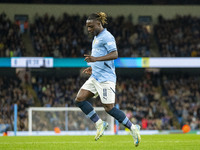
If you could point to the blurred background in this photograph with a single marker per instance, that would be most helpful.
(42, 43)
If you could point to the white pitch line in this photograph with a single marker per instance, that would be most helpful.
(93, 142)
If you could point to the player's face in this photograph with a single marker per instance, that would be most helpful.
(93, 27)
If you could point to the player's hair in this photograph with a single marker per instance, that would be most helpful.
(100, 16)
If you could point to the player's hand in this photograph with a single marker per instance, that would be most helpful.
(87, 71)
(89, 58)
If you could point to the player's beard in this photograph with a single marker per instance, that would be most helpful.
(90, 35)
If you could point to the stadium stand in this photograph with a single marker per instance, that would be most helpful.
(67, 37)
(61, 37)
(182, 95)
(178, 37)
(135, 96)
(11, 92)
(142, 98)
(11, 43)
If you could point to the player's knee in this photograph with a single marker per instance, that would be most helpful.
(82, 96)
(108, 107)
(79, 99)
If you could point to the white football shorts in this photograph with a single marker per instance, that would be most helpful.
(105, 90)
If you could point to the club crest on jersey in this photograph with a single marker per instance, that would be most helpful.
(95, 41)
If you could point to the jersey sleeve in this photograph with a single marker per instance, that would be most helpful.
(110, 44)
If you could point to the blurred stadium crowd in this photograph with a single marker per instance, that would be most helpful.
(11, 43)
(143, 99)
(178, 37)
(66, 36)
(147, 100)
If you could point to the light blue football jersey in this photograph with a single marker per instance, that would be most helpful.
(103, 44)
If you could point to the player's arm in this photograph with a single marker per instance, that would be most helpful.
(110, 56)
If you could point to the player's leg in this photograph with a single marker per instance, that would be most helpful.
(107, 94)
(121, 117)
(85, 106)
(86, 92)
(118, 115)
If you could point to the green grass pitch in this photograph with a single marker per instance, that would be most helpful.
(115, 142)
